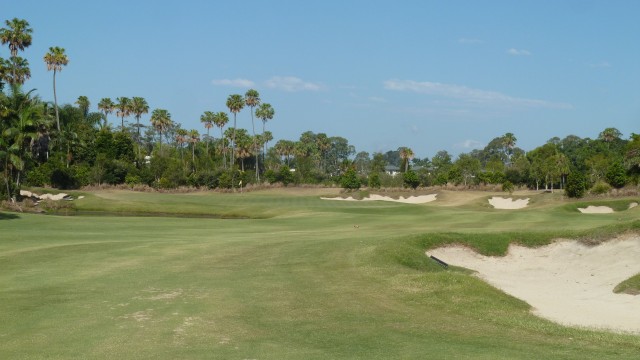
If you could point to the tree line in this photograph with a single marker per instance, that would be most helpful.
(70, 146)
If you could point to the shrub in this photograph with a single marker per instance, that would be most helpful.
(350, 180)
(600, 188)
(616, 175)
(374, 180)
(507, 186)
(576, 185)
(62, 178)
(410, 179)
(285, 175)
(270, 176)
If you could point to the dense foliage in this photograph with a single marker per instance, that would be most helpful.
(69, 146)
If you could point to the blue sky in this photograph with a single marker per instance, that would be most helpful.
(430, 75)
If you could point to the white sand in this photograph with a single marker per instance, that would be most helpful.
(421, 199)
(55, 197)
(565, 282)
(632, 205)
(596, 210)
(508, 203)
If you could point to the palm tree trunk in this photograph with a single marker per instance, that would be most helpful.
(55, 100)
(208, 141)
(224, 152)
(233, 142)
(253, 127)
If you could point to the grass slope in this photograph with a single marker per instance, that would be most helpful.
(295, 279)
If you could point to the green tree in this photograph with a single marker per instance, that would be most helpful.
(55, 60)
(252, 99)
(221, 119)
(18, 35)
(467, 167)
(411, 179)
(194, 138)
(616, 175)
(235, 103)
(208, 119)
(576, 185)
(83, 104)
(350, 179)
(161, 121)
(123, 107)
(106, 106)
(138, 107)
(265, 112)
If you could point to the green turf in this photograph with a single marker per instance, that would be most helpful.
(289, 277)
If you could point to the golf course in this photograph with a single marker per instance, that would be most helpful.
(283, 273)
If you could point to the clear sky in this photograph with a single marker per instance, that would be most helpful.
(431, 75)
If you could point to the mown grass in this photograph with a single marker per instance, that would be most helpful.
(305, 278)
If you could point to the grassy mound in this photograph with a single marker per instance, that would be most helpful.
(629, 286)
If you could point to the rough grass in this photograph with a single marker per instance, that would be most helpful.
(630, 286)
(294, 279)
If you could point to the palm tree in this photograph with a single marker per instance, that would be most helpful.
(235, 103)
(107, 106)
(123, 108)
(83, 104)
(161, 120)
(252, 99)
(15, 71)
(138, 107)
(55, 60)
(194, 137)
(207, 119)
(181, 138)
(406, 155)
(18, 35)
(221, 119)
(265, 112)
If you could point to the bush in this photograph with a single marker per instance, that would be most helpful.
(576, 185)
(350, 180)
(410, 179)
(374, 180)
(62, 178)
(507, 186)
(225, 180)
(270, 176)
(616, 175)
(600, 188)
(285, 175)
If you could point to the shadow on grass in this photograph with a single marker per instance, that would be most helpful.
(8, 216)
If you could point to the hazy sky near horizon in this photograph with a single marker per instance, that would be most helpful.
(430, 75)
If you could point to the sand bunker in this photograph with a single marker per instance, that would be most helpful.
(508, 203)
(565, 282)
(421, 199)
(596, 210)
(55, 197)
(632, 205)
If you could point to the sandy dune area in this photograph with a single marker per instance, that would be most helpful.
(565, 282)
(508, 203)
(421, 199)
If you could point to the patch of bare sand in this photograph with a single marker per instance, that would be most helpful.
(596, 210)
(632, 205)
(420, 199)
(565, 282)
(508, 203)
